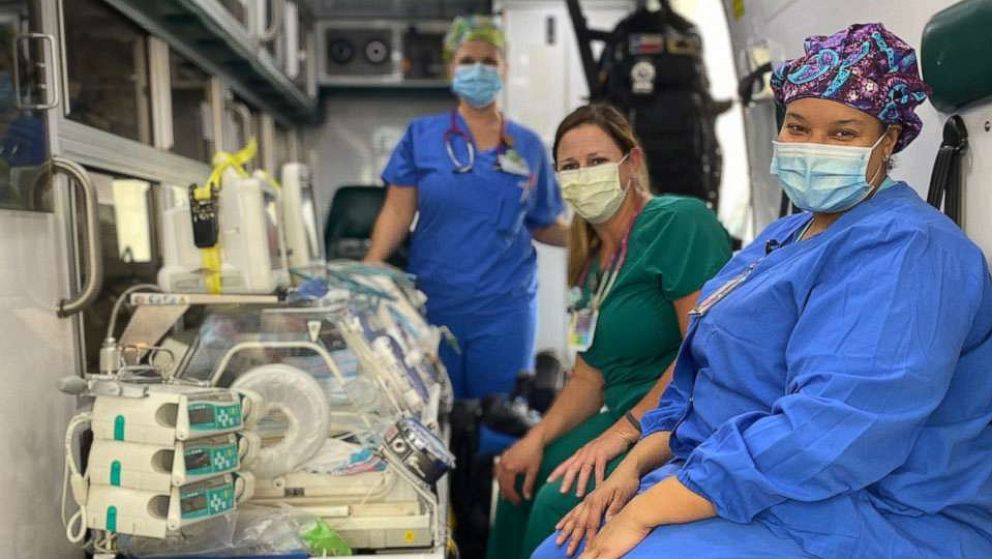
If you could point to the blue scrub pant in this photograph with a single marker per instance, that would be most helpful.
(495, 346)
(714, 538)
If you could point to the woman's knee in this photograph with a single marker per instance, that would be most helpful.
(550, 500)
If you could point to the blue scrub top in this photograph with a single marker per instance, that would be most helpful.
(471, 249)
(841, 395)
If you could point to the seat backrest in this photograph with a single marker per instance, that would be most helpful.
(350, 220)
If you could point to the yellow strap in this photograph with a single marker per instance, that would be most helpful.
(268, 178)
(212, 263)
(223, 161)
(211, 257)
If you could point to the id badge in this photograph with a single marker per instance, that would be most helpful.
(511, 162)
(720, 294)
(574, 298)
(582, 329)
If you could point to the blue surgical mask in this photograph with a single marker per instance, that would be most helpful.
(824, 178)
(477, 84)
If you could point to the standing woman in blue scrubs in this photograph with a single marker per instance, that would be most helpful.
(832, 398)
(483, 189)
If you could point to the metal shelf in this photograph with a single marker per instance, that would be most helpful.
(351, 82)
(205, 32)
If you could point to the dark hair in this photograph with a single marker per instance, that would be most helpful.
(607, 118)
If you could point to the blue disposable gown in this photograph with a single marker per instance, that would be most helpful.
(837, 404)
(472, 249)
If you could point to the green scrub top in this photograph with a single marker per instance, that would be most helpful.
(675, 246)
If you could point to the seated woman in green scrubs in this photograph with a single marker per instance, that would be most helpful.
(636, 264)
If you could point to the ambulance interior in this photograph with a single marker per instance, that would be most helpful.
(279, 397)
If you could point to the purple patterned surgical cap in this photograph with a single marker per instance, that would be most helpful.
(865, 67)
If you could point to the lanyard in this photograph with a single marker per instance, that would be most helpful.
(455, 130)
(702, 307)
(616, 264)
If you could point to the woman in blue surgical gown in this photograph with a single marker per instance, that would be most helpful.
(832, 398)
(483, 189)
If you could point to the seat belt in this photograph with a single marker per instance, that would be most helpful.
(945, 180)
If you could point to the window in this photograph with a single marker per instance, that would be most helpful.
(126, 209)
(192, 125)
(131, 214)
(107, 58)
(23, 135)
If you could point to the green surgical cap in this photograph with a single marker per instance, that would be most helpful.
(472, 28)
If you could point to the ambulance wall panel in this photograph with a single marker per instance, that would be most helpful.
(545, 82)
(784, 24)
(36, 350)
(359, 134)
(976, 171)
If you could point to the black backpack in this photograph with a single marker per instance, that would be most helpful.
(652, 70)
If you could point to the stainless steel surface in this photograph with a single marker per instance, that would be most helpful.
(150, 324)
(94, 262)
(63, 66)
(183, 299)
(205, 32)
(102, 150)
(275, 22)
(401, 9)
(51, 81)
(247, 120)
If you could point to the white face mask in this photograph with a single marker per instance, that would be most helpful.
(595, 192)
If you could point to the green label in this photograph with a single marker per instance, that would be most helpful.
(119, 428)
(115, 473)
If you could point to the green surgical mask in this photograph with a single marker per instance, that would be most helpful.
(595, 193)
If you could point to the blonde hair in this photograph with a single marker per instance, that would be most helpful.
(470, 28)
(583, 242)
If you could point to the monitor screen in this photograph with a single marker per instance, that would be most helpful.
(200, 416)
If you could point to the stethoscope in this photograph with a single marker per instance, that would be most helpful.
(454, 130)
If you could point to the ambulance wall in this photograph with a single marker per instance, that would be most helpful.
(35, 352)
(785, 23)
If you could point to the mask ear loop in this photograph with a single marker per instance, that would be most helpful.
(881, 166)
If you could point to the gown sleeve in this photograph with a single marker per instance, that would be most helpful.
(402, 169)
(667, 414)
(870, 358)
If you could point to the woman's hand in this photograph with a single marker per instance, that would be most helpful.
(523, 458)
(621, 534)
(583, 521)
(593, 458)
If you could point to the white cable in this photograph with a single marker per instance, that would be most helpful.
(75, 527)
(387, 482)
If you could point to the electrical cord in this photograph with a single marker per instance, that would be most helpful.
(75, 526)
